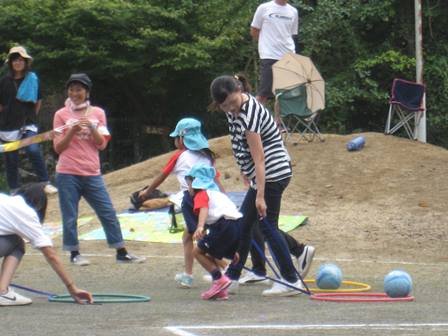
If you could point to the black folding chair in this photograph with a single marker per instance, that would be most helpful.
(405, 107)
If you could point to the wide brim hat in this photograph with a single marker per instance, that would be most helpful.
(190, 131)
(81, 78)
(203, 177)
(18, 50)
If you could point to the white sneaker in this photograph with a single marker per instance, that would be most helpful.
(305, 260)
(279, 289)
(234, 287)
(12, 298)
(50, 189)
(207, 278)
(251, 278)
(80, 260)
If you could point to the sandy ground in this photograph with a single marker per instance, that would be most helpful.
(372, 211)
(389, 199)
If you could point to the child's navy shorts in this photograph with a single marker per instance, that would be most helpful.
(222, 239)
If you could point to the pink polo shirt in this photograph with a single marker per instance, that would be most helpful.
(81, 157)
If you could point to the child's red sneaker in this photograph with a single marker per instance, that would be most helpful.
(217, 287)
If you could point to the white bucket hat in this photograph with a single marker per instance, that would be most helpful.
(18, 50)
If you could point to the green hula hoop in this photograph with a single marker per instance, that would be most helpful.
(103, 298)
(355, 287)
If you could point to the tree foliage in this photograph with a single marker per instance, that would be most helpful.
(151, 61)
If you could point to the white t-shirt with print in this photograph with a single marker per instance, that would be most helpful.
(17, 217)
(277, 25)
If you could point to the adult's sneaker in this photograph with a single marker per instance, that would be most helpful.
(129, 259)
(184, 280)
(234, 287)
(251, 278)
(11, 298)
(50, 189)
(279, 289)
(208, 277)
(217, 286)
(304, 260)
(80, 260)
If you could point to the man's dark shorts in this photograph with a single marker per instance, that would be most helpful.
(265, 88)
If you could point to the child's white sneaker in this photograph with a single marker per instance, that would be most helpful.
(184, 280)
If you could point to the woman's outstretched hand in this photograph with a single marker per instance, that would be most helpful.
(81, 296)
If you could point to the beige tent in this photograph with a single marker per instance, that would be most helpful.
(294, 70)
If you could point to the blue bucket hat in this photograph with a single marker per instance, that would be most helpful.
(190, 130)
(203, 177)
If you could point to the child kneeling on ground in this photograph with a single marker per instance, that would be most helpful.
(217, 226)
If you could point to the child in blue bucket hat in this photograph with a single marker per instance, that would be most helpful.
(189, 129)
(192, 148)
(217, 222)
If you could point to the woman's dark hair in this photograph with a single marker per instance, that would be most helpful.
(223, 86)
(209, 153)
(244, 82)
(35, 196)
(15, 56)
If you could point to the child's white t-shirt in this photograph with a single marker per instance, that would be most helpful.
(17, 217)
(219, 205)
(181, 163)
(277, 25)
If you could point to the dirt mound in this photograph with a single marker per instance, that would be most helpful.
(388, 200)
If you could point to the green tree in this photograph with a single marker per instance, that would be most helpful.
(152, 61)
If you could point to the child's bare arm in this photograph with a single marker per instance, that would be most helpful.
(155, 183)
(200, 232)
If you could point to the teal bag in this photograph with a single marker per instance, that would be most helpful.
(28, 89)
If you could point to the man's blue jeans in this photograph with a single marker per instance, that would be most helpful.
(93, 189)
(34, 154)
(269, 227)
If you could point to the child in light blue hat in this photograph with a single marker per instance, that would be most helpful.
(192, 148)
(217, 222)
(189, 129)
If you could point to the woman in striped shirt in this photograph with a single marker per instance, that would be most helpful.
(263, 160)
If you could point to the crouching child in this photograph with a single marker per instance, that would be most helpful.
(217, 222)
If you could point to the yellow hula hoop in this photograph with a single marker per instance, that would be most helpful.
(358, 287)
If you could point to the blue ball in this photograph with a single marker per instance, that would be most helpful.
(397, 284)
(329, 276)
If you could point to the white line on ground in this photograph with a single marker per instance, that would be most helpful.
(180, 330)
(105, 255)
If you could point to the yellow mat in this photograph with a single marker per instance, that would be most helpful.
(153, 226)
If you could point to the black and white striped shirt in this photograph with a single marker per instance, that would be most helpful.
(254, 117)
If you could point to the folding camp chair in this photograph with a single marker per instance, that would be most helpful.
(406, 103)
(292, 111)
